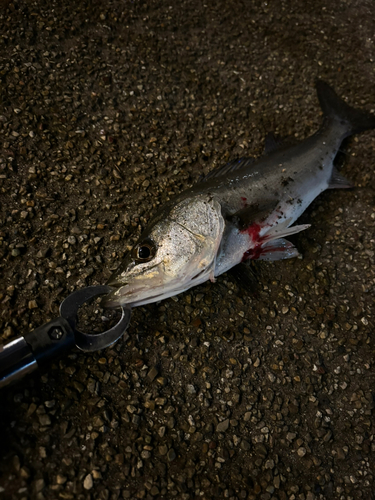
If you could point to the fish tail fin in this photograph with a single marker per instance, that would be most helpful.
(335, 108)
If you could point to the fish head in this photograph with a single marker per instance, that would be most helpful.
(177, 251)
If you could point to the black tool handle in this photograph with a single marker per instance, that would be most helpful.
(34, 350)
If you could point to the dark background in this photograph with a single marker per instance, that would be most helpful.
(109, 108)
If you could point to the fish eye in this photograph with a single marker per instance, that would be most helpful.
(144, 251)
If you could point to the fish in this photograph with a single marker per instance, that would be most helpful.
(240, 211)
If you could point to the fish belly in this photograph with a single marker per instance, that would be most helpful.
(265, 240)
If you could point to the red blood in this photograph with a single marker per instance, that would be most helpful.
(253, 253)
(253, 231)
(257, 251)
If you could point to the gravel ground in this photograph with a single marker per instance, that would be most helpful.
(106, 110)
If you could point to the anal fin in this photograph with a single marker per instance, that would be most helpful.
(338, 181)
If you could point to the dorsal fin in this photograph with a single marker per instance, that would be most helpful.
(272, 143)
(228, 167)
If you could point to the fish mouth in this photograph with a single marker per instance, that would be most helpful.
(130, 294)
(107, 302)
(134, 293)
(115, 300)
(134, 290)
(110, 301)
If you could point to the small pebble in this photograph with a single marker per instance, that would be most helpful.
(171, 455)
(222, 426)
(88, 482)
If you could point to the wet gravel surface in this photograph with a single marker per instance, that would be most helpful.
(106, 110)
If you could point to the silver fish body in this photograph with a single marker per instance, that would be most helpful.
(240, 211)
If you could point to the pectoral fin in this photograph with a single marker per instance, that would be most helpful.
(282, 229)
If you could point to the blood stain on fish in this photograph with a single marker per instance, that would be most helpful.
(253, 253)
